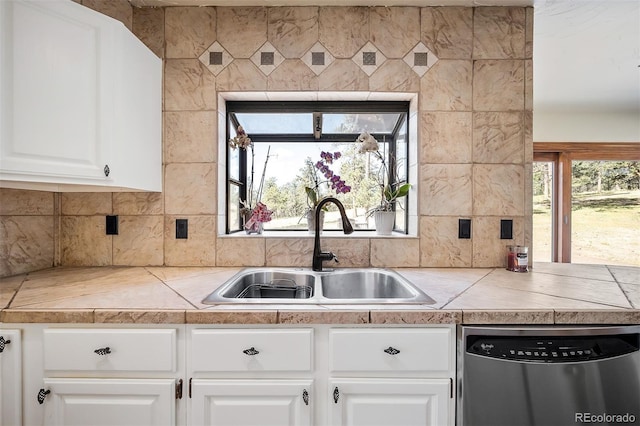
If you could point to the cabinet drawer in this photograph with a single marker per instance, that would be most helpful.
(251, 350)
(110, 350)
(402, 350)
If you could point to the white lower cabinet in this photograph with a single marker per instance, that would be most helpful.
(254, 402)
(216, 375)
(113, 402)
(10, 377)
(98, 376)
(321, 375)
(251, 376)
(389, 402)
(391, 376)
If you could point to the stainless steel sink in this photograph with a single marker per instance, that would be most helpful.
(267, 285)
(371, 286)
(304, 286)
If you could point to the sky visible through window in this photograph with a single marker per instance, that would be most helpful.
(286, 159)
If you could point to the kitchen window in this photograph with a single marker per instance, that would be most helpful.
(288, 139)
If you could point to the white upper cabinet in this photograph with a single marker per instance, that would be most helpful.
(81, 101)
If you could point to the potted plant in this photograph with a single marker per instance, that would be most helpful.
(332, 182)
(391, 189)
(254, 214)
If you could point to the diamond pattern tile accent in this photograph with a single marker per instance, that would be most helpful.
(318, 58)
(369, 58)
(420, 59)
(267, 58)
(216, 58)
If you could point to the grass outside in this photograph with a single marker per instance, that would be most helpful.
(605, 228)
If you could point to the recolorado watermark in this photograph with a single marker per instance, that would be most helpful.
(604, 418)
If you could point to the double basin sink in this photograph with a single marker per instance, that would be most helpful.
(304, 286)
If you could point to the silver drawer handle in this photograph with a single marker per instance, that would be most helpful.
(392, 351)
(103, 351)
(3, 343)
(251, 351)
(42, 394)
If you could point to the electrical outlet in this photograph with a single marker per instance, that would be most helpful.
(182, 228)
(464, 228)
(112, 225)
(506, 229)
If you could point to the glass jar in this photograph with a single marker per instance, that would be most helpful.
(511, 258)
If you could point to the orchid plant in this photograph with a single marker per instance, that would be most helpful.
(257, 213)
(333, 181)
(391, 189)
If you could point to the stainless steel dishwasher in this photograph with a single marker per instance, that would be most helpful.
(555, 376)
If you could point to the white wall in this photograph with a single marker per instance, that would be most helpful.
(586, 77)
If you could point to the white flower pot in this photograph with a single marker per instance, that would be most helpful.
(384, 222)
(311, 221)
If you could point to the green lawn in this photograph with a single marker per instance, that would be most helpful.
(605, 229)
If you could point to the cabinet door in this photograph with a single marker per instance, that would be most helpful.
(10, 378)
(251, 402)
(53, 90)
(81, 101)
(389, 402)
(113, 402)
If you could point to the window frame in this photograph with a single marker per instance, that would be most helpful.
(561, 155)
(363, 107)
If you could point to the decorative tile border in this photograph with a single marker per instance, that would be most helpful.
(267, 58)
(420, 59)
(318, 58)
(369, 58)
(216, 58)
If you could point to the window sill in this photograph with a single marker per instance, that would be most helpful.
(325, 234)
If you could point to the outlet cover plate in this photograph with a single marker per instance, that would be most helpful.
(506, 229)
(464, 228)
(112, 225)
(182, 228)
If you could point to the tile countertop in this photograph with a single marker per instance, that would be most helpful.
(551, 293)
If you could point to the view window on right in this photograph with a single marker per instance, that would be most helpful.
(586, 210)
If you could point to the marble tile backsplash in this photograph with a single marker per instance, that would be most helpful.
(470, 68)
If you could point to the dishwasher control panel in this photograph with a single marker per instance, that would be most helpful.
(552, 348)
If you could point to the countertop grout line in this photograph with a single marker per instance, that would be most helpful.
(620, 287)
(573, 298)
(15, 292)
(574, 276)
(170, 288)
(491, 271)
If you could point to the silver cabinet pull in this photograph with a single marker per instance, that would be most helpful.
(392, 351)
(251, 351)
(103, 351)
(3, 343)
(42, 394)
